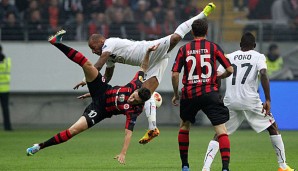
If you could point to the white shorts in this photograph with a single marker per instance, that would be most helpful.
(158, 59)
(255, 118)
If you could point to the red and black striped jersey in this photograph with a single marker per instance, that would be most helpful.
(116, 100)
(198, 58)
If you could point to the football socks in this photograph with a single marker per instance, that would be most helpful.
(183, 140)
(224, 147)
(57, 139)
(150, 111)
(211, 153)
(279, 148)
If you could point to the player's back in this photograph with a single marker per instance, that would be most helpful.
(242, 86)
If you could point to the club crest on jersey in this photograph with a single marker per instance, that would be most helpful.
(121, 97)
(141, 78)
(126, 106)
(103, 79)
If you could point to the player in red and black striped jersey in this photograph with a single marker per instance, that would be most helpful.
(106, 100)
(200, 89)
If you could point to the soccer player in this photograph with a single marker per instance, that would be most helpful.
(243, 100)
(200, 90)
(112, 50)
(106, 100)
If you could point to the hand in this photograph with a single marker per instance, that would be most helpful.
(174, 99)
(84, 96)
(82, 84)
(121, 158)
(153, 48)
(266, 108)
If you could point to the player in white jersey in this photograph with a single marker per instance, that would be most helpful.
(244, 102)
(112, 50)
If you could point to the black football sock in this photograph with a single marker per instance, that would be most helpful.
(57, 139)
(72, 54)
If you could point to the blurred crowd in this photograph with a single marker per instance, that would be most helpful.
(283, 16)
(131, 19)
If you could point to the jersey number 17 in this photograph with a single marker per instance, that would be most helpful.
(248, 69)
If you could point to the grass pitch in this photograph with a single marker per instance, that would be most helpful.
(95, 149)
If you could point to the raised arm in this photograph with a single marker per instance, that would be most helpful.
(145, 63)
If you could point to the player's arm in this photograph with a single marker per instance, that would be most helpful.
(229, 70)
(266, 87)
(102, 60)
(109, 73)
(175, 85)
(145, 62)
(121, 157)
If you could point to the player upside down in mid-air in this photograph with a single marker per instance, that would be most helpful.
(243, 100)
(116, 50)
(106, 100)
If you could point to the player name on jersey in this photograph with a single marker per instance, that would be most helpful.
(242, 57)
(197, 51)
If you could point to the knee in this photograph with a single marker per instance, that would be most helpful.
(185, 125)
(272, 129)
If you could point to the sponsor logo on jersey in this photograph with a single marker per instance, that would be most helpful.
(121, 98)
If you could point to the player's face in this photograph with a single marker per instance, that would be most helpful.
(96, 47)
(134, 98)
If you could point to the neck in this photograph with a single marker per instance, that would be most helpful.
(200, 37)
(246, 49)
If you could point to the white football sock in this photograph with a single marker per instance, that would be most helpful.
(279, 148)
(185, 27)
(150, 110)
(210, 154)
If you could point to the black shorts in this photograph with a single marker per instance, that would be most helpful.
(95, 112)
(209, 103)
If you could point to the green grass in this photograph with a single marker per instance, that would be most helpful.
(95, 149)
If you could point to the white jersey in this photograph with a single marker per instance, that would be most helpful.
(242, 85)
(132, 52)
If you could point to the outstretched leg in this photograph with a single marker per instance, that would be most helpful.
(183, 141)
(89, 70)
(63, 136)
(185, 27)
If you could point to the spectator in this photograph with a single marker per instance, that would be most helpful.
(77, 28)
(157, 7)
(22, 5)
(149, 28)
(170, 23)
(33, 5)
(274, 60)
(243, 6)
(53, 15)
(92, 7)
(123, 29)
(11, 29)
(5, 64)
(36, 27)
(139, 14)
(281, 14)
(99, 25)
(6, 7)
(190, 10)
(119, 6)
(71, 7)
(172, 5)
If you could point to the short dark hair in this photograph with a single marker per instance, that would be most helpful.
(248, 40)
(273, 47)
(200, 27)
(144, 94)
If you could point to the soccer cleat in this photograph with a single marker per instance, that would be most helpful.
(185, 168)
(32, 150)
(57, 38)
(209, 8)
(287, 169)
(149, 135)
